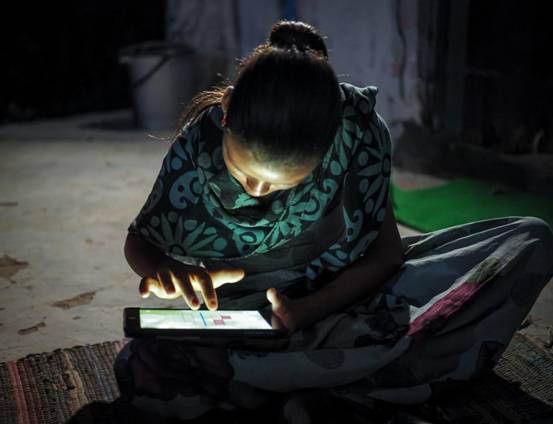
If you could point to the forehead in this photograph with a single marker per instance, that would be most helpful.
(249, 164)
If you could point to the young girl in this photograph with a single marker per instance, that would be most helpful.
(275, 193)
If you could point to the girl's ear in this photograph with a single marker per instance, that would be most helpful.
(225, 101)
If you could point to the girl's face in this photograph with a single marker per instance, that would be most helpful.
(255, 177)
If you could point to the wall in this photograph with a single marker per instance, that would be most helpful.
(371, 42)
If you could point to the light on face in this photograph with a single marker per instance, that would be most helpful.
(269, 175)
(257, 179)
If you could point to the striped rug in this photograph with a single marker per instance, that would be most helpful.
(52, 387)
(79, 384)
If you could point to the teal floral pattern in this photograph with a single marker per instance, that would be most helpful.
(197, 209)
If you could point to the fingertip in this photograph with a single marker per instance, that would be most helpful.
(271, 293)
(143, 288)
(237, 274)
(236, 278)
(211, 302)
(194, 303)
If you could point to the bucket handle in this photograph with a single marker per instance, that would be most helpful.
(162, 61)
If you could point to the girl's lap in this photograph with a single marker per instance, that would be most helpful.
(163, 369)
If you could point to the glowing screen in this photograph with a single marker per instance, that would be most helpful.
(212, 320)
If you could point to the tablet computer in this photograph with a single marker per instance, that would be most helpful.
(201, 326)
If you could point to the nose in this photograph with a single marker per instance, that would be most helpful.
(257, 188)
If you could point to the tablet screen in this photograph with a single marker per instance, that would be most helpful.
(203, 320)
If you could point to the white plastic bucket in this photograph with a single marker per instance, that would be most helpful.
(164, 77)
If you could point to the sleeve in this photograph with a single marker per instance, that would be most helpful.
(175, 189)
(364, 197)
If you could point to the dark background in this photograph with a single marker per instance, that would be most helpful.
(60, 57)
(509, 74)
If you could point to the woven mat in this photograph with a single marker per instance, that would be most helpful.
(53, 387)
(519, 390)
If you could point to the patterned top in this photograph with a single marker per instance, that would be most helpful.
(197, 209)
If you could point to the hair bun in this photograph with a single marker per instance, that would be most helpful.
(287, 34)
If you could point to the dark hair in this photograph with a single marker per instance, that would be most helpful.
(286, 103)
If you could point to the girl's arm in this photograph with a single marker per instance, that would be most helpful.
(361, 279)
(143, 257)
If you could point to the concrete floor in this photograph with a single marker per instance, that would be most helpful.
(67, 194)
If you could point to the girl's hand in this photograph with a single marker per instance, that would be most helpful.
(288, 313)
(175, 279)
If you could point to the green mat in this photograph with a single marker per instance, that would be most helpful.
(463, 200)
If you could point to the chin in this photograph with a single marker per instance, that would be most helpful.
(259, 196)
